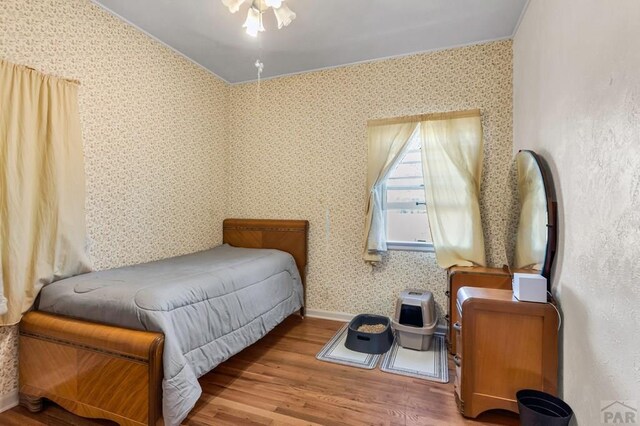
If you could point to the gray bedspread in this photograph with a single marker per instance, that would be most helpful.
(209, 305)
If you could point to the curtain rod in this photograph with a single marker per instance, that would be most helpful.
(43, 75)
(425, 117)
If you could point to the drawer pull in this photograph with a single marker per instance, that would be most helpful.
(447, 293)
(457, 326)
(457, 361)
(446, 318)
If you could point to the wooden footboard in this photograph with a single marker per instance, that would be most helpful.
(90, 369)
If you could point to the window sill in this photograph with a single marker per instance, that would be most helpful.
(410, 246)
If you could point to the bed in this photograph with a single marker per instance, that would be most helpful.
(129, 344)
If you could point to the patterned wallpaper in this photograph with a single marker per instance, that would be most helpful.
(8, 359)
(153, 128)
(298, 150)
(170, 150)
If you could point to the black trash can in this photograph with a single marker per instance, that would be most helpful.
(542, 409)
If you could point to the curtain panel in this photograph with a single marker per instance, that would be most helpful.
(385, 144)
(42, 191)
(452, 154)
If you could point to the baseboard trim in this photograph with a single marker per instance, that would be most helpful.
(346, 317)
(9, 401)
(329, 315)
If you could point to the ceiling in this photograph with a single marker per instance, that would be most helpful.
(326, 33)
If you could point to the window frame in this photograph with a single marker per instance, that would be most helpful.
(417, 246)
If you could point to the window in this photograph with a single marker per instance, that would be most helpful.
(405, 205)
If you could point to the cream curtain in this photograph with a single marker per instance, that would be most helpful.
(42, 223)
(385, 143)
(452, 166)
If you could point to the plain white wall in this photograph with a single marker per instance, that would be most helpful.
(577, 102)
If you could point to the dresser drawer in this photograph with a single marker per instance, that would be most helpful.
(459, 348)
(457, 382)
(471, 276)
(457, 357)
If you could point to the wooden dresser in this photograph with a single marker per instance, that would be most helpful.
(470, 276)
(502, 345)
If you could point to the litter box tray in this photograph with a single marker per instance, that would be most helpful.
(370, 343)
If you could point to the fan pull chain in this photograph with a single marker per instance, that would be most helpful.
(260, 66)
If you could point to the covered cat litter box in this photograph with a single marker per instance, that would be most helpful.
(415, 320)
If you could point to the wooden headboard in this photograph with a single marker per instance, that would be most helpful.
(285, 235)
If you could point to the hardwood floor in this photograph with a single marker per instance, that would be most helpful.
(279, 381)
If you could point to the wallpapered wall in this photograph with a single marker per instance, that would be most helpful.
(170, 150)
(577, 102)
(153, 128)
(298, 149)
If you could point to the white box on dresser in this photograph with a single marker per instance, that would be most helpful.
(530, 287)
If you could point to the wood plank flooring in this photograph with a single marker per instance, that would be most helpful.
(278, 381)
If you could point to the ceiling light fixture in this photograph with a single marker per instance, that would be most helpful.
(253, 23)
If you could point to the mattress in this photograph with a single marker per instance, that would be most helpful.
(210, 305)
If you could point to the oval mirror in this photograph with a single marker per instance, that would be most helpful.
(537, 223)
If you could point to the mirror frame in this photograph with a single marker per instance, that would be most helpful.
(552, 215)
